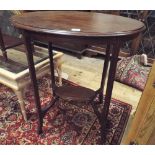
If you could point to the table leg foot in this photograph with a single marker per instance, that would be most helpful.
(39, 131)
(40, 123)
(103, 132)
(101, 98)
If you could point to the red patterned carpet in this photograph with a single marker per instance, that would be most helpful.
(66, 123)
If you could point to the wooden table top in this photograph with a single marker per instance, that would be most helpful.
(77, 23)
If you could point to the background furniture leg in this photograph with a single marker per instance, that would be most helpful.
(5, 55)
(19, 94)
(58, 64)
(3, 46)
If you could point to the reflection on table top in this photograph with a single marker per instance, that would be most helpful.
(77, 23)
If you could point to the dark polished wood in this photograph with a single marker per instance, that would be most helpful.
(90, 24)
(104, 73)
(75, 93)
(90, 28)
(28, 45)
(50, 51)
(135, 43)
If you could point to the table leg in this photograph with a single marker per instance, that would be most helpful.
(19, 94)
(3, 46)
(104, 73)
(29, 53)
(50, 51)
(111, 77)
(58, 65)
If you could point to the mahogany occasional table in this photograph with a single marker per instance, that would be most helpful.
(86, 27)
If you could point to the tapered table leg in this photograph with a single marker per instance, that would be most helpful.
(50, 52)
(29, 53)
(111, 77)
(104, 73)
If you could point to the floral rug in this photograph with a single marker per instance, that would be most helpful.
(65, 123)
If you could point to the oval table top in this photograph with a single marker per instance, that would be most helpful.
(76, 23)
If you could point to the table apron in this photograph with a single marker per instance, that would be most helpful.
(56, 39)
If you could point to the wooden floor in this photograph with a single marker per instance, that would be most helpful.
(87, 72)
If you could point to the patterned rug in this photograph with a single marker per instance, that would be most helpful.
(65, 123)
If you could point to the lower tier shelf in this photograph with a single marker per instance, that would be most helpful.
(75, 93)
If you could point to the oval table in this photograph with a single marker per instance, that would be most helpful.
(85, 27)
